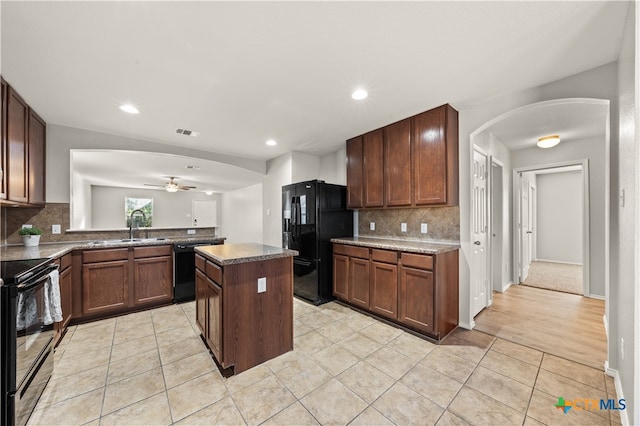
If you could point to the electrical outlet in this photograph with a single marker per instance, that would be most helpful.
(27, 226)
(55, 229)
(403, 227)
(621, 348)
(372, 226)
(423, 228)
(191, 231)
(262, 284)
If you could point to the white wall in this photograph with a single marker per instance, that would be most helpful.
(278, 175)
(241, 220)
(169, 209)
(559, 217)
(304, 167)
(81, 203)
(599, 83)
(624, 297)
(594, 150)
(333, 167)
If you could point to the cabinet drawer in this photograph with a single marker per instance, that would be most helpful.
(352, 251)
(386, 256)
(200, 262)
(152, 251)
(214, 272)
(65, 262)
(105, 255)
(421, 261)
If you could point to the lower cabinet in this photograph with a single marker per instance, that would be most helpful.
(119, 280)
(66, 294)
(209, 312)
(418, 291)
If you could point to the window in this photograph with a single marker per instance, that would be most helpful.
(144, 204)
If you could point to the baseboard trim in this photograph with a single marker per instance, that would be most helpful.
(624, 414)
(559, 261)
(468, 326)
(506, 286)
(606, 329)
(596, 296)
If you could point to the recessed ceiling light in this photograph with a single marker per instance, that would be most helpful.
(271, 142)
(129, 109)
(208, 192)
(359, 94)
(548, 141)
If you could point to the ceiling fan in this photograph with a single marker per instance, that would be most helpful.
(172, 186)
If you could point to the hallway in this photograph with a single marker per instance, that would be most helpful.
(565, 325)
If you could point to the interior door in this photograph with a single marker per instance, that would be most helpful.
(479, 274)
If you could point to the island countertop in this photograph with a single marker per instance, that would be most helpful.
(230, 254)
(426, 247)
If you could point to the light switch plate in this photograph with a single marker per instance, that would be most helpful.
(372, 226)
(403, 227)
(191, 231)
(262, 284)
(55, 229)
(423, 228)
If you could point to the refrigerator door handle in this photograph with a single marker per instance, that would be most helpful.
(293, 219)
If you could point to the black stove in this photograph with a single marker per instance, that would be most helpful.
(17, 271)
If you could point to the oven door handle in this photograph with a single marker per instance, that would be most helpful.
(29, 284)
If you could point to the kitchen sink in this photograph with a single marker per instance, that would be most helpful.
(129, 240)
(125, 240)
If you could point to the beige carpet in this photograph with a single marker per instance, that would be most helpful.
(555, 276)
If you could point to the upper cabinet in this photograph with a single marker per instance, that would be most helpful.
(23, 152)
(410, 163)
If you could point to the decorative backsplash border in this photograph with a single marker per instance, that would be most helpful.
(443, 223)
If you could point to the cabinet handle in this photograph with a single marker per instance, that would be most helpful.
(477, 243)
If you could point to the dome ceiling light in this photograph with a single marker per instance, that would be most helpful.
(548, 141)
(359, 94)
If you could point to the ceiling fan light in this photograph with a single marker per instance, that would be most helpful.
(171, 188)
(548, 141)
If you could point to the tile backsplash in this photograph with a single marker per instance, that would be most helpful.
(443, 223)
(59, 213)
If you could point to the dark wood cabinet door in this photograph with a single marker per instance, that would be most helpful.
(201, 301)
(354, 173)
(372, 169)
(36, 150)
(214, 319)
(3, 140)
(152, 280)
(384, 289)
(359, 282)
(17, 154)
(105, 286)
(66, 292)
(341, 277)
(417, 299)
(435, 159)
(397, 164)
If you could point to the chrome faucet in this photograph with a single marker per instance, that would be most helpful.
(131, 227)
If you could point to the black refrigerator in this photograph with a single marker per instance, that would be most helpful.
(313, 212)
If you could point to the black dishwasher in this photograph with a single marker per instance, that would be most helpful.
(184, 268)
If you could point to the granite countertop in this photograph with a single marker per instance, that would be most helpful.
(54, 250)
(412, 246)
(229, 254)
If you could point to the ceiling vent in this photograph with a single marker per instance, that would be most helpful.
(186, 132)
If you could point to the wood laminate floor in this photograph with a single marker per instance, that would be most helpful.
(566, 325)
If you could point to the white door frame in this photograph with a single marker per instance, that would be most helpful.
(517, 239)
(497, 240)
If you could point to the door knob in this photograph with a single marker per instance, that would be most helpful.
(477, 243)
(529, 232)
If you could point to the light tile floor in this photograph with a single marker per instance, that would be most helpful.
(346, 368)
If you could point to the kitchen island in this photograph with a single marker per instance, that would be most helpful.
(244, 302)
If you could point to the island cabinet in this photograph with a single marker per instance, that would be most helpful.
(66, 294)
(244, 303)
(120, 280)
(417, 291)
(410, 163)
